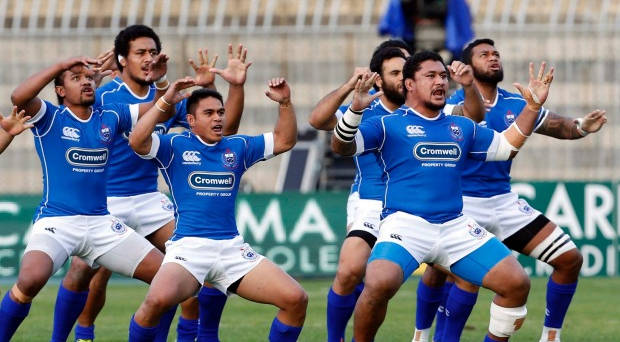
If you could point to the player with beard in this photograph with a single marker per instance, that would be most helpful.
(423, 152)
(73, 141)
(487, 197)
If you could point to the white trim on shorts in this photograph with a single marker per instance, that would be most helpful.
(352, 203)
(367, 216)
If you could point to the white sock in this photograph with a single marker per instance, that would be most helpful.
(421, 335)
(550, 334)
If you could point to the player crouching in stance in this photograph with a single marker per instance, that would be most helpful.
(432, 228)
(73, 144)
(203, 169)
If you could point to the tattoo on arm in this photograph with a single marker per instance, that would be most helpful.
(559, 127)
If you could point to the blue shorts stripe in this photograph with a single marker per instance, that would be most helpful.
(397, 254)
(474, 266)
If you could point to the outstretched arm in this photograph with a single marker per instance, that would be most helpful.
(140, 138)
(322, 116)
(343, 140)
(285, 132)
(12, 126)
(561, 127)
(25, 95)
(235, 74)
(473, 106)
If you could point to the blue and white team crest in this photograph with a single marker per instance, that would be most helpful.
(118, 227)
(476, 231)
(248, 253)
(524, 207)
(229, 158)
(509, 118)
(105, 133)
(167, 205)
(456, 132)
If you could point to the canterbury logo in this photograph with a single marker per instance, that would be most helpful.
(191, 156)
(71, 133)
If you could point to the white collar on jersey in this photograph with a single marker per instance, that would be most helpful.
(420, 115)
(386, 108)
(76, 117)
(204, 142)
(134, 94)
(496, 97)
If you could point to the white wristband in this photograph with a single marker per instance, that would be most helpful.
(347, 125)
(514, 124)
(162, 79)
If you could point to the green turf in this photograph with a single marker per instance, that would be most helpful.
(594, 314)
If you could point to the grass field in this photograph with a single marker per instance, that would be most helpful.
(594, 314)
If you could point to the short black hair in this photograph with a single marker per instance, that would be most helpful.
(397, 43)
(199, 94)
(376, 63)
(58, 82)
(412, 65)
(468, 51)
(129, 34)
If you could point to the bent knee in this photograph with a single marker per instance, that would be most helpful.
(569, 262)
(296, 300)
(349, 276)
(158, 302)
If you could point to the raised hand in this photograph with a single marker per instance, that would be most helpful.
(158, 68)
(461, 73)
(236, 70)
(204, 77)
(174, 95)
(361, 98)
(279, 91)
(106, 67)
(357, 74)
(15, 123)
(538, 88)
(594, 121)
(81, 61)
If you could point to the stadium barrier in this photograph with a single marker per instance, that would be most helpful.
(303, 232)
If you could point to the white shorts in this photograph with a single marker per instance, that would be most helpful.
(145, 213)
(367, 216)
(219, 262)
(88, 237)
(502, 215)
(443, 244)
(352, 203)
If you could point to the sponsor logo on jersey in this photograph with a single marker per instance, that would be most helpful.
(70, 133)
(118, 227)
(456, 132)
(191, 158)
(180, 258)
(437, 151)
(105, 134)
(415, 131)
(50, 229)
(369, 225)
(476, 231)
(160, 129)
(524, 207)
(248, 253)
(509, 118)
(202, 180)
(396, 236)
(167, 205)
(229, 158)
(92, 157)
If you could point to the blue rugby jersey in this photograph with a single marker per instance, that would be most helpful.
(423, 159)
(482, 179)
(369, 181)
(204, 179)
(75, 155)
(129, 174)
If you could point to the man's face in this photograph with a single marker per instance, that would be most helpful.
(141, 53)
(486, 64)
(430, 85)
(78, 86)
(207, 121)
(391, 82)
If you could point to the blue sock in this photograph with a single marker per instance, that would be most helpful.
(141, 334)
(211, 302)
(358, 290)
(559, 297)
(164, 324)
(488, 339)
(441, 313)
(84, 333)
(11, 316)
(281, 332)
(428, 300)
(69, 305)
(339, 311)
(459, 306)
(187, 330)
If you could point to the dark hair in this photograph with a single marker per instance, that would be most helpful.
(397, 43)
(199, 94)
(129, 34)
(412, 65)
(468, 51)
(58, 82)
(376, 63)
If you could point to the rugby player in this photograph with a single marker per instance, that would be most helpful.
(12, 125)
